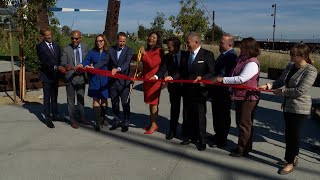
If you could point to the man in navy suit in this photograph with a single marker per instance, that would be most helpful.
(118, 61)
(49, 54)
(200, 65)
(220, 96)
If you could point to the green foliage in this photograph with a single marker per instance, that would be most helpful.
(218, 32)
(4, 41)
(143, 32)
(28, 32)
(66, 30)
(158, 24)
(190, 18)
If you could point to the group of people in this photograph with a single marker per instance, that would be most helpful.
(195, 64)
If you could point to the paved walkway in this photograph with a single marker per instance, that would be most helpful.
(29, 150)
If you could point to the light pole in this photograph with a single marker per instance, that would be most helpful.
(274, 6)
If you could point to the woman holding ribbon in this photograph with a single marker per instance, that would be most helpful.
(151, 60)
(297, 79)
(98, 85)
(246, 72)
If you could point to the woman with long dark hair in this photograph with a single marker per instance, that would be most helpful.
(98, 85)
(151, 60)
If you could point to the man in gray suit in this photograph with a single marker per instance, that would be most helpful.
(72, 55)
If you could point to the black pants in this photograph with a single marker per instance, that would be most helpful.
(118, 92)
(195, 121)
(244, 119)
(293, 124)
(50, 95)
(221, 118)
(175, 96)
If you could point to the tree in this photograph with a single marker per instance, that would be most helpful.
(66, 30)
(28, 33)
(143, 32)
(158, 24)
(190, 18)
(218, 32)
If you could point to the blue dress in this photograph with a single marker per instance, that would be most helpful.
(98, 85)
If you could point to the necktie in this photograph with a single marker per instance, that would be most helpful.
(176, 63)
(190, 61)
(77, 56)
(51, 48)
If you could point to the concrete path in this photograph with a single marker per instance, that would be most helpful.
(30, 150)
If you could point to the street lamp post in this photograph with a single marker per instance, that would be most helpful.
(274, 6)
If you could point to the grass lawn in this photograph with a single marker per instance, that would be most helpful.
(267, 58)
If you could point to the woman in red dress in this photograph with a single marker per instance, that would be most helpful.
(151, 60)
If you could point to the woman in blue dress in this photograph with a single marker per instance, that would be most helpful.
(98, 85)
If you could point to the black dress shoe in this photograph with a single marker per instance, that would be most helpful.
(237, 153)
(84, 122)
(124, 128)
(170, 135)
(57, 118)
(115, 126)
(201, 146)
(186, 142)
(50, 124)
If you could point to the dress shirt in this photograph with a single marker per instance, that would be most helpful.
(246, 74)
(75, 54)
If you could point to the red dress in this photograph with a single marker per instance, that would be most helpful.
(151, 61)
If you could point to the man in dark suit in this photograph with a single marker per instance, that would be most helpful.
(220, 96)
(118, 61)
(172, 65)
(200, 65)
(49, 54)
(72, 55)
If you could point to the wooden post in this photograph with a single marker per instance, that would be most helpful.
(21, 56)
(213, 28)
(12, 68)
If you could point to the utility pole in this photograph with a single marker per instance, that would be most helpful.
(274, 6)
(111, 27)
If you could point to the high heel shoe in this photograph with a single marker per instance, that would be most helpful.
(151, 132)
(284, 162)
(284, 172)
(147, 128)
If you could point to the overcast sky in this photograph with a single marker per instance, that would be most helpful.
(295, 19)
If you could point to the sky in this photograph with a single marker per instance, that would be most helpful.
(295, 19)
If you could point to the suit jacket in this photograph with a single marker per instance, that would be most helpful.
(112, 62)
(297, 91)
(68, 58)
(176, 72)
(48, 61)
(203, 65)
(223, 67)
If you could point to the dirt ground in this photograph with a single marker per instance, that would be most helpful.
(6, 100)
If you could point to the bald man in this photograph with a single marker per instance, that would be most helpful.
(72, 55)
(200, 65)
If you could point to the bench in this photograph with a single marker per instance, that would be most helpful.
(314, 107)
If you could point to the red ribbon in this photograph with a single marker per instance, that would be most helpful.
(121, 76)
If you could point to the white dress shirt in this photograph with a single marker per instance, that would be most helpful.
(246, 74)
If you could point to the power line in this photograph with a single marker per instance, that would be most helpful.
(202, 2)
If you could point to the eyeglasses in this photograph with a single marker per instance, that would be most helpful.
(72, 38)
(99, 41)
